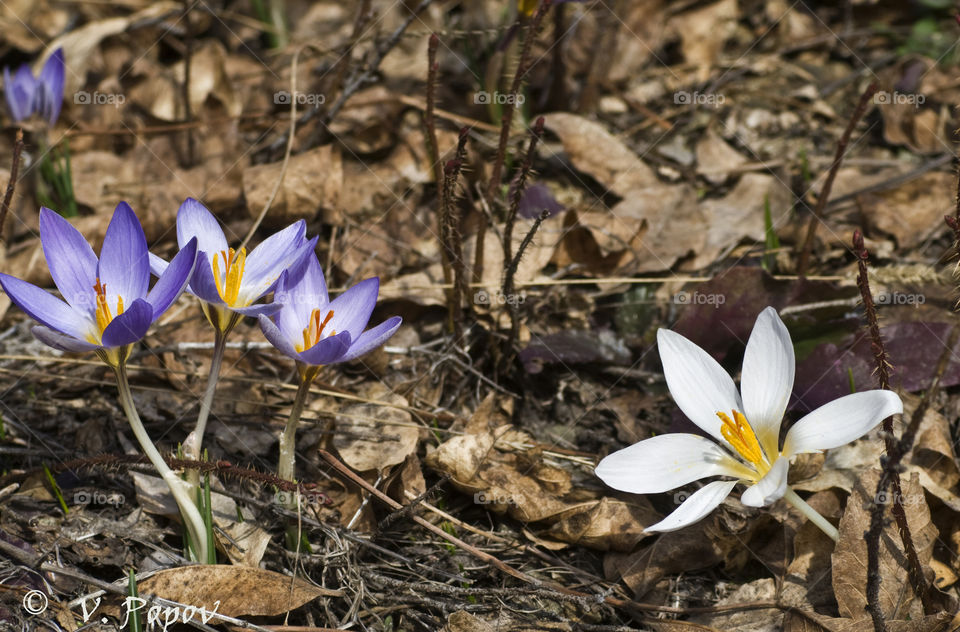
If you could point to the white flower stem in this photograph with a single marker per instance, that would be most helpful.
(288, 452)
(194, 442)
(791, 497)
(179, 489)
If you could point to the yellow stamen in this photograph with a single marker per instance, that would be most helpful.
(314, 329)
(229, 288)
(102, 312)
(741, 436)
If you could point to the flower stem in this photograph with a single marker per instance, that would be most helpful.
(791, 497)
(194, 442)
(178, 488)
(288, 454)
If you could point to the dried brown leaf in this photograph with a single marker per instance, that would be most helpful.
(240, 590)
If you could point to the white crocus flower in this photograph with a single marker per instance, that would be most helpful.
(745, 425)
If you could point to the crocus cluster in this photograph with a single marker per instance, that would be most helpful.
(42, 95)
(743, 426)
(108, 306)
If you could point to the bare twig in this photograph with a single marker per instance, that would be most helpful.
(451, 237)
(12, 183)
(519, 184)
(506, 117)
(509, 292)
(890, 475)
(815, 217)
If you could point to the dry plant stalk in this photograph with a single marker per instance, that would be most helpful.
(12, 184)
(816, 216)
(891, 475)
(451, 239)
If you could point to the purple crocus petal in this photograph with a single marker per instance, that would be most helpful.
(296, 269)
(60, 341)
(124, 267)
(326, 351)
(276, 338)
(71, 260)
(19, 92)
(372, 338)
(202, 284)
(194, 220)
(275, 254)
(300, 298)
(266, 309)
(157, 265)
(130, 326)
(45, 308)
(173, 280)
(352, 309)
(49, 95)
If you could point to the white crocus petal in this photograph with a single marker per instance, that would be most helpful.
(666, 462)
(766, 380)
(699, 385)
(700, 503)
(841, 421)
(770, 488)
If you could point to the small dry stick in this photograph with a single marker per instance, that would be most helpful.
(890, 476)
(12, 184)
(817, 214)
(509, 291)
(451, 237)
(519, 184)
(429, 121)
(506, 117)
(188, 54)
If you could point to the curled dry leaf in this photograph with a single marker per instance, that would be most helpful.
(373, 436)
(311, 183)
(897, 600)
(240, 591)
(497, 468)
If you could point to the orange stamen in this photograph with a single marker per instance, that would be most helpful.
(314, 329)
(102, 312)
(741, 436)
(229, 287)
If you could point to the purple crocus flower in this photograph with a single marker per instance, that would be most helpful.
(313, 330)
(230, 281)
(107, 305)
(42, 95)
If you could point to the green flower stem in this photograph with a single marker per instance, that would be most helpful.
(811, 513)
(288, 453)
(179, 489)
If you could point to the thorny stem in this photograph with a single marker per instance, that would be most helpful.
(506, 117)
(509, 290)
(889, 464)
(179, 489)
(519, 184)
(450, 236)
(288, 452)
(12, 184)
(815, 217)
(812, 514)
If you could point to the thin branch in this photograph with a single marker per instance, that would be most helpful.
(817, 215)
(12, 183)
